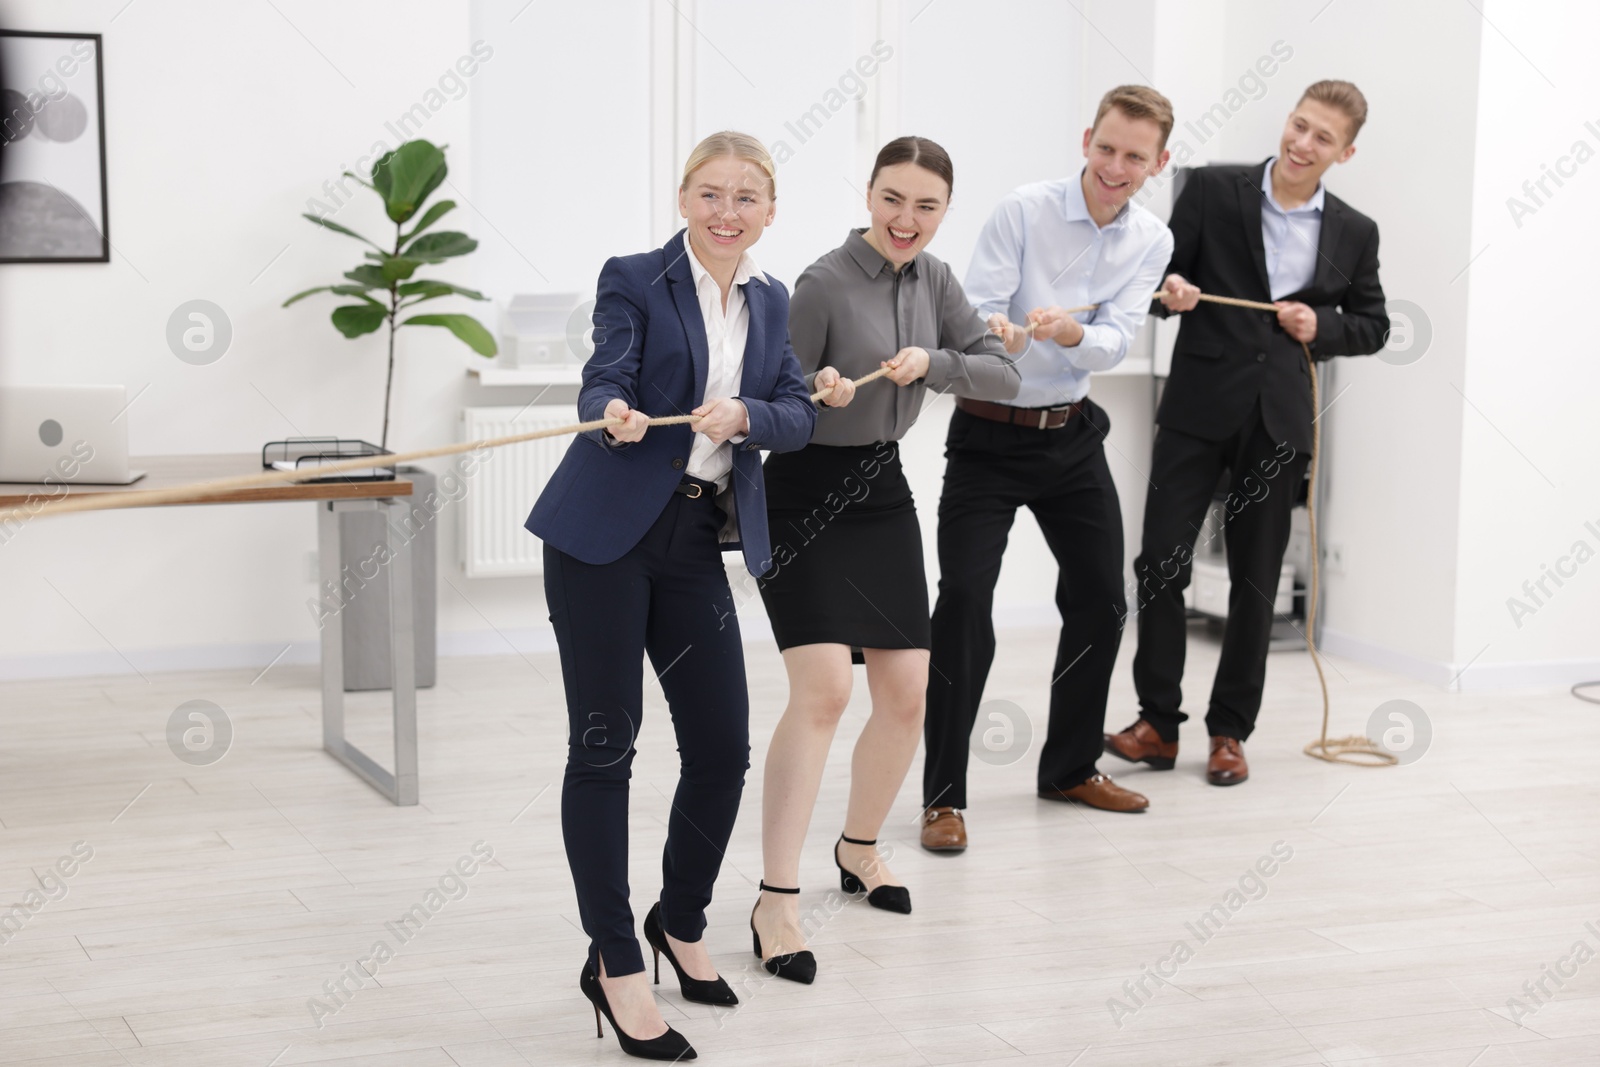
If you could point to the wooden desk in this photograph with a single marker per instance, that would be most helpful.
(165, 472)
(331, 498)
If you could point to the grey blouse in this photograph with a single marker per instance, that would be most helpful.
(851, 311)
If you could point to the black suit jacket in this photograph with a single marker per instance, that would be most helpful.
(1226, 358)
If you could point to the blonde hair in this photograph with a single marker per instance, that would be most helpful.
(1138, 102)
(1343, 96)
(731, 143)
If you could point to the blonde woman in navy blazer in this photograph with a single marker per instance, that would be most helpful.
(634, 523)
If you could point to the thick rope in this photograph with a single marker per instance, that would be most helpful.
(1356, 750)
(204, 492)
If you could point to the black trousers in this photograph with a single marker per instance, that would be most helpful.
(1264, 482)
(668, 598)
(1061, 475)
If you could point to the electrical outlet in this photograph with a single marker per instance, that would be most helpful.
(1333, 558)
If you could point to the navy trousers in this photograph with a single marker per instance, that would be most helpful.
(667, 598)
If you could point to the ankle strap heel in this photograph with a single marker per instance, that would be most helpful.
(896, 898)
(795, 966)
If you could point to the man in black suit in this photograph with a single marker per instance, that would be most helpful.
(1239, 400)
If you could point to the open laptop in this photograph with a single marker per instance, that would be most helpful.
(64, 433)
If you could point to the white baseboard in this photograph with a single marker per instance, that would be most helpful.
(753, 626)
(1433, 672)
(98, 662)
(1555, 674)
(755, 629)
(1528, 674)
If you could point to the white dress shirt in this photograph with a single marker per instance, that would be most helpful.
(726, 333)
(1041, 247)
(1289, 238)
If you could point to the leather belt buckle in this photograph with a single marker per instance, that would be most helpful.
(692, 490)
(1047, 418)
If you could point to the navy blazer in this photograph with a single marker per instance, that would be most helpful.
(650, 351)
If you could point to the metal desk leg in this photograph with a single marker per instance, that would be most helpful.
(400, 786)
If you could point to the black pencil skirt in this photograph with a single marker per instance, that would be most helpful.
(847, 550)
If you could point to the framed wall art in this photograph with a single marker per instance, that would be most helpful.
(52, 149)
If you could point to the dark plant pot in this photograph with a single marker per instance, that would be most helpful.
(366, 617)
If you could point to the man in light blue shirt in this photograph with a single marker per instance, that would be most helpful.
(1050, 247)
(1289, 238)
(1043, 250)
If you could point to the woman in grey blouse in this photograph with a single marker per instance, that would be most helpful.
(848, 574)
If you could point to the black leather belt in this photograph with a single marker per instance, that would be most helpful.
(1033, 418)
(694, 488)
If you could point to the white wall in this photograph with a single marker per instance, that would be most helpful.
(1530, 487)
(224, 119)
(550, 160)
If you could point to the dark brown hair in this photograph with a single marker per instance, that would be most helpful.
(928, 155)
(1138, 102)
(1343, 96)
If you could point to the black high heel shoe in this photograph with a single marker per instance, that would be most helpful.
(700, 991)
(669, 1046)
(795, 966)
(896, 898)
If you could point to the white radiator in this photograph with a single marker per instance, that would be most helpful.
(493, 542)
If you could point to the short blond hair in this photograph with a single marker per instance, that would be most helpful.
(725, 143)
(1343, 96)
(1138, 102)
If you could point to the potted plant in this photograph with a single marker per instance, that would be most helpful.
(382, 289)
(404, 178)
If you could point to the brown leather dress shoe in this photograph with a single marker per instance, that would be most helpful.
(1227, 765)
(1140, 743)
(944, 830)
(1100, 792)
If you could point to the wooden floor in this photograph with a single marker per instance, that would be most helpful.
(223, 902)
